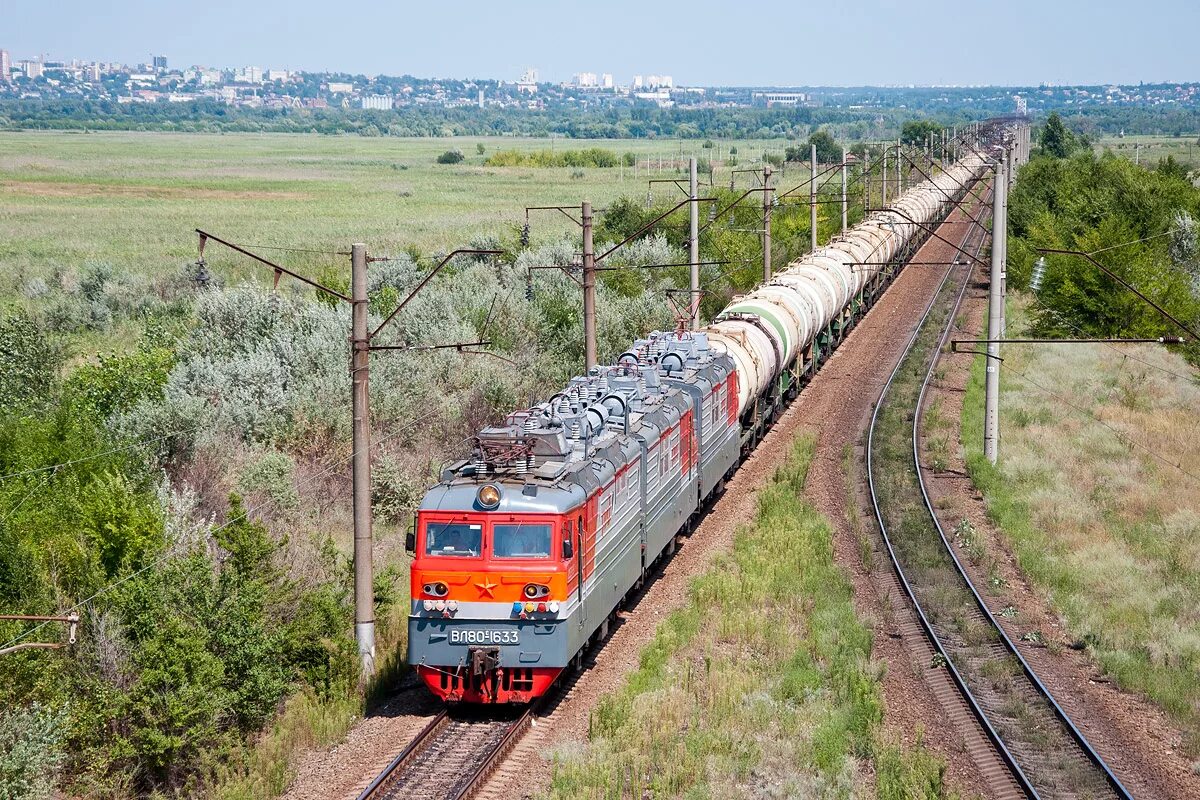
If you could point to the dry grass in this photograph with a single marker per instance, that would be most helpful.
(1097, 489)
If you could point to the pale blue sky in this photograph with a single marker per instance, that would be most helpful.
(698, 42)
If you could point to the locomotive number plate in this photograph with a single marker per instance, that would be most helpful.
(468, 636)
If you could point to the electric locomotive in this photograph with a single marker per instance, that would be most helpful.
(523, 551)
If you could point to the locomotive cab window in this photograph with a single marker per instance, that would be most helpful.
(453, 539)
(521, 540)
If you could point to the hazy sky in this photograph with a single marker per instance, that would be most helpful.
(698, 42)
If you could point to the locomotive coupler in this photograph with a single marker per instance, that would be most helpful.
(483, 659)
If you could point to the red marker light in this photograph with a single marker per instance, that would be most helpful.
(542, 607)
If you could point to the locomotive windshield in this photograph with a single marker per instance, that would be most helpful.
(521, 540)
(453, 539)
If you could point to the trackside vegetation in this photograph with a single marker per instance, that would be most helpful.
(762, 684)
(1097, 481)
(1098, 515)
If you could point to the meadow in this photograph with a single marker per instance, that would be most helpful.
(132, 200)
(1147, 150)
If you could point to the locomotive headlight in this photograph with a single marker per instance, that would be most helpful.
(488, 496)
(437, 589)
(535, 590)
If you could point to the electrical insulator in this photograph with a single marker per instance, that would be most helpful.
(529, 285)
(525, 235)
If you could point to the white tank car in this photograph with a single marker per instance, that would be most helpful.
(764, 331)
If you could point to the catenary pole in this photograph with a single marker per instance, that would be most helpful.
(694, 246)
(812, 197)
(589, 290)
(364, 592)
(991, 405)
(766, 235)
(883, 177)
(845, 183)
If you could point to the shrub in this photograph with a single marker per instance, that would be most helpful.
(451, 157)
(29, 752)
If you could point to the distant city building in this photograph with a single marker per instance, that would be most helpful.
(5, 66)
(638, 82)
(340, 88)
(661, 96)
(1022, 105)
(248, 75)
(528, 82)
(92, 72)
(481, 98)
(377, 102)
(660, 82)
(159, 63)
(778, 98)
(32, 69)
(585, 80)
(606, 80)
(277, 75)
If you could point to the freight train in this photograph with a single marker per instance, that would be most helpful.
(523, 552)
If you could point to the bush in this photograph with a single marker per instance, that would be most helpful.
(29, 752)
(451, 157)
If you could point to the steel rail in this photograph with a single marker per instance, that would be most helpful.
(977, 710)
(419, 743)
(484, 767)
(1062, 716)
(489, 763)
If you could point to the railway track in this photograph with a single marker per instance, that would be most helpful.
(450, 758)
(1029, 747)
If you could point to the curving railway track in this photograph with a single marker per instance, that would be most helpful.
(1029, 746)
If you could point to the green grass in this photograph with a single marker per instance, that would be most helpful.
(133, 199)
(1149, 149)
(1107, 531)
(760, 685)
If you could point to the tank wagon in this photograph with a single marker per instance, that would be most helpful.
(524, 552)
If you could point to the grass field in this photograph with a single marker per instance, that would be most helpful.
(133, 199)
(1147, 150)
(1096, 489)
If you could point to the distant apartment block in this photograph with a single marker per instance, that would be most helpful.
(248, 75)
(159, 63)
(778, 98)
(5, 66)
(339, 88)
(586, 80)
(528, 82)
(377, 102)
(32, 69)
(277, 75)
(606, 80)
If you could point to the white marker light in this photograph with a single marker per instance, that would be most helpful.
(428, 605)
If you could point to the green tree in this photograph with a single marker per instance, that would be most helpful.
(1056, 140)
(828, 150)
(917, 131)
